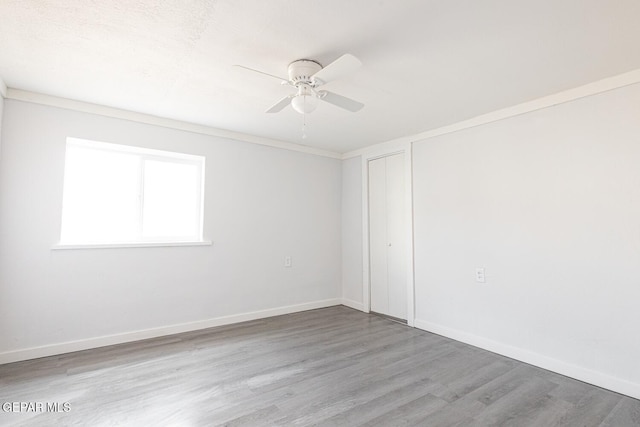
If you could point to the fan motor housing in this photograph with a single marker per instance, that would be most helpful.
(302, 70)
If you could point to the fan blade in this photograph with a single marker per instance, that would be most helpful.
(279, 106)
(341, 101)
(262, 72)
(342, 66)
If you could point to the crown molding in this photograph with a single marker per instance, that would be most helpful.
(85, 107)
(594, 88)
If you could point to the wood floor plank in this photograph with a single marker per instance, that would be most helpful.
(514, 407)
(409, 414)
(327, 367)
(626, 413)
(369, 408)
(594, 407)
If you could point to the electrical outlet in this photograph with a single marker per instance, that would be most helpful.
(480, 275)
(287, 261)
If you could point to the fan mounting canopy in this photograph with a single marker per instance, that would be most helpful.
(302, 71)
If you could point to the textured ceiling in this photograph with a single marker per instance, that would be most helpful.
(426, 63)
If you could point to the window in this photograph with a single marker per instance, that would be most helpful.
(117, 194)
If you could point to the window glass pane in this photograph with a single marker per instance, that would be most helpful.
(121, 194)
(171, 200)
(101, 196)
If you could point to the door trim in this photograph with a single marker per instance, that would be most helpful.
(404, 148)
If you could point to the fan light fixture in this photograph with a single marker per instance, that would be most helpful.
(307, 77)
(305, 101)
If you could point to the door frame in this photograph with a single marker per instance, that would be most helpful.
(405, 149)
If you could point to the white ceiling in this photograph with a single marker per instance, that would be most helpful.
(426, 63)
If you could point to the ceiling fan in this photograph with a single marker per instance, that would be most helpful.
(307, 76)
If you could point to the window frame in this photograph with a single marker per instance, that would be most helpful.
(143, 154)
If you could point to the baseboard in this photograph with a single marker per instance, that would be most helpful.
(353, 304)
(71, 346)
(570, 370)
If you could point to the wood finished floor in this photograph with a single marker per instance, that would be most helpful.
(328, 367)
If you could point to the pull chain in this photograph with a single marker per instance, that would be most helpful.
(304, 119)
(304, 126)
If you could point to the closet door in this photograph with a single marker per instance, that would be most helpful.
(378, 273)
(396, 243)
(387, 240)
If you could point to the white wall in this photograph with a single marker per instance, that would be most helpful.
(549, 204)
(352, 232)
(261, 204)
(1, 115)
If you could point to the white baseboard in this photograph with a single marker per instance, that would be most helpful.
(71, 346)
(570, 370)
(353, 304)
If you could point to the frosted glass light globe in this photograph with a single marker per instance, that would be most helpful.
(304, 104)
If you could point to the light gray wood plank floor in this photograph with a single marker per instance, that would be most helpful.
(327, 367)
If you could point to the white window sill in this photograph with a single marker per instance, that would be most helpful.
(132, 245)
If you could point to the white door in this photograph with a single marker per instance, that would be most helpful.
(387, 237)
